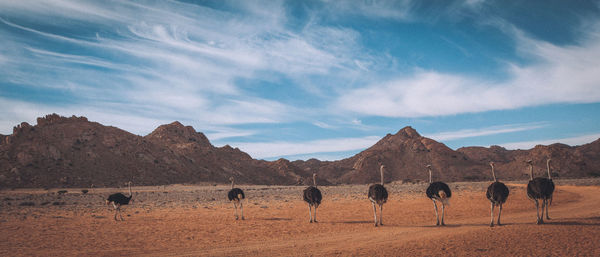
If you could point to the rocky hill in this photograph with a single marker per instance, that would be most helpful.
(74, 152)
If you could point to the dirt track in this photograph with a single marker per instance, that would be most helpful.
(277, 224)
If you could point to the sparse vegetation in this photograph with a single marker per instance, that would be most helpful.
(27, 204)
(471, 178)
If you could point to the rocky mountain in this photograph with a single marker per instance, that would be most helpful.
(74, 152)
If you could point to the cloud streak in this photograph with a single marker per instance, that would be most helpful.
(468, 133)
(169, 58)
(285, 148)
(572, 141)
(560, 74)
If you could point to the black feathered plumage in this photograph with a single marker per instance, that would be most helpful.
(535, 188)
(436, 188)
(119, 198)
(236, 194)
(378, 194)
(312, 196)
(497, 193)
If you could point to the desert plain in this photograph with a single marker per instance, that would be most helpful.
(197, 220)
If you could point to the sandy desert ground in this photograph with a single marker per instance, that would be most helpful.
(181, 220)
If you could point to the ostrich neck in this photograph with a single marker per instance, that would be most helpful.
(430, 179)
(231, 184)
(381, 173)
(130, 193)
(494, 174)
(315, 181)
(531, 172)
(548, 167)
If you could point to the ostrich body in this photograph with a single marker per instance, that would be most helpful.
(118, 200)
(236, 195)
(537, 190)
(312, 195)
(378, 195)
(438, 191)
(497, 193)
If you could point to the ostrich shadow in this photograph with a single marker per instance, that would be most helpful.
(350, 222)
(590, 221)
(275, 218)
(448, 225)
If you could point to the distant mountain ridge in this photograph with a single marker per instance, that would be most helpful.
(74, 152)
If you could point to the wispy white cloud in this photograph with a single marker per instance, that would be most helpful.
(229, 133)
(395, 10)
(172, 57)
(559, 74)
(324, 125)
(284, 148)
(572, 141)
(468, 133)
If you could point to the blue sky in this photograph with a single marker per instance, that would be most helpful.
(309, 79)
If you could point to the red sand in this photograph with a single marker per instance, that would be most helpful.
(345, 228)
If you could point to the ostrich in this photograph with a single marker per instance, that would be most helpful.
(438, 191)
(536, 190)
(497, 193)
(378, 195)
(548, 189)
(312, 195)
(118, 200)
(236, 195)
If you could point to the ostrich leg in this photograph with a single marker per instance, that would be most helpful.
(537, 211)
(492, 215)
(499, 212)
(437, 218)
(381, 214)
(242, 208)
(443, 207)
(310, 214)
(375, 213)
(542, 214)
(315, 219)
(548, 207)
(235, 207)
